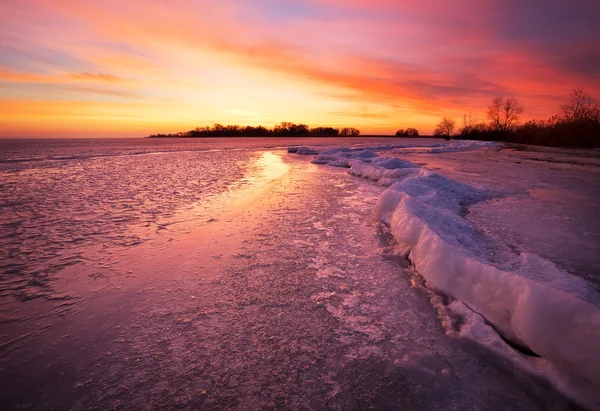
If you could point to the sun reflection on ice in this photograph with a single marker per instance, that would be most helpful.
(272, 166)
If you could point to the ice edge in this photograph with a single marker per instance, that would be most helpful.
(529, 301)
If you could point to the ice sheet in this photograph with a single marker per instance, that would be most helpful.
(526, 298)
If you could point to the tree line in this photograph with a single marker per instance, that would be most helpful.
(577, 124)
(409, 132)
(284, 129)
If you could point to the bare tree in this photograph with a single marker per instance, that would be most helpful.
(349, 131)
(412, 132)
(504, 113)
(469, 120)
(445, 128)
(581, 106)
(409, 132)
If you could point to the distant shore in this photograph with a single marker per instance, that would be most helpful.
(311, 136)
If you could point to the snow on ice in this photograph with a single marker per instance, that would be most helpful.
(525, 298)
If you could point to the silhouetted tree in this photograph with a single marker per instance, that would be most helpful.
(469, 121)
(349, 131)
(580, 107)
(445, 128)
(472, 129)
(412, 132)
(285, 129)
(409, 132)
(504, 113)
(300, 130)
(325, 132)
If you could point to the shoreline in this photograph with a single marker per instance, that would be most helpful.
(523, 300)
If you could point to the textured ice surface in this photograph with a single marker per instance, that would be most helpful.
(531, 302)
(343, 156)
(304, 150)
(526, 298)
(286, 293)
(64, 201)
(53, 211)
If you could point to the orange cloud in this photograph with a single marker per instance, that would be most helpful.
(24, 77)
(96, 77)
(377, 63)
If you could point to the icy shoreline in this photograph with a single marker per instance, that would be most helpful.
(527, 299)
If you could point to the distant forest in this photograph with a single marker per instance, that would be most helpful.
(284, 129)
(576, 125)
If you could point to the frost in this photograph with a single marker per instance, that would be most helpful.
(527, 299)
(305, 151)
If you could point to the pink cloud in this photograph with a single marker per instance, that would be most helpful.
(432, 56)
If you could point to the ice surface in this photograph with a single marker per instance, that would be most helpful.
(273, 295)
(461, 145)
(527, 299)
(344, 156)
(533, 304)
(305, 150)
(279, 299)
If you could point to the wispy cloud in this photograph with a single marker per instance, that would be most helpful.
(312, 61)
(97, 77)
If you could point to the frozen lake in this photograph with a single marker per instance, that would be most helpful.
(221, 274)
(547, 201)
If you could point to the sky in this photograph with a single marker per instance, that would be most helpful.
(114, 68)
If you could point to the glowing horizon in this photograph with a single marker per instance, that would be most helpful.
(86, 69)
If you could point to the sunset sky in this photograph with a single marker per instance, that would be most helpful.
(118, 68)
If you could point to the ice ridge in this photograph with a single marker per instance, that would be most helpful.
(527, 299)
